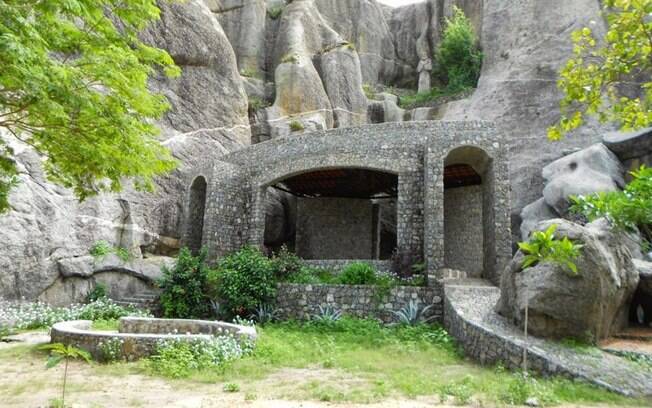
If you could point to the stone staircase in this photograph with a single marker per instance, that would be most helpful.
(143, 300)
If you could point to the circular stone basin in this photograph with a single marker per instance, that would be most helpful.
(139, 336)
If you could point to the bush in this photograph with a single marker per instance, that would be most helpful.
(459, 58)
(98, 292)
(358, 273)
(183, 287)
(179, 358)
(626, 210)
(286, 263)
(296, 126)
(100, 249)
(243, 281)
(544, 247)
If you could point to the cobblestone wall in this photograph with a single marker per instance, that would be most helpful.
(463, 230)
(296, 301)
(415, 151)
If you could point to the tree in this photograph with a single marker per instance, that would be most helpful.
(592, 79)
(73, 85)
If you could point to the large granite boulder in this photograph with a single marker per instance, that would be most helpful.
(587, 171)
(590, 306)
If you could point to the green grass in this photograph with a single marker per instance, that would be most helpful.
(369, 362)
(417, 100)
(105, 325)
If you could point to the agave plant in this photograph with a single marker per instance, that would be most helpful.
(413, 314)
(265, 313)
(327, 315)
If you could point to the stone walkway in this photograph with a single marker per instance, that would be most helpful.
(489, 338)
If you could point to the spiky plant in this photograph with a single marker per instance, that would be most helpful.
(412, 314)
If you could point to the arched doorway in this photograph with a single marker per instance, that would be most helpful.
(196, 208)
(337, 213)
(468, 212)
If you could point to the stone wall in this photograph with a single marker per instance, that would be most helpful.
(298, 301)
(334, 228)
(463, 235)
(415, 151)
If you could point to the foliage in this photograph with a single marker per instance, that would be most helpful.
(73, 85)
(285, 263)
(124, 254)
(265, 313)
(40, 315)
(327, 315)
(111, 349)
(178, 358)
(357, 273)
(275, 12)
(369, 91)
(435, 95)
(626, 210)
(231, 387)
(99, 292)
(591, 79)
(544, 247)
(309, 274)
(243, 281)
(461, 391)
(100, 249)
(521, 387)
(256, 103)
(290, 59)
(459, 58)
(60, 352)
(105, 325)
(413, 314)
(296, 126)
(5, 331)
(183, 286)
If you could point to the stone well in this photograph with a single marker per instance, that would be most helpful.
(140, 335)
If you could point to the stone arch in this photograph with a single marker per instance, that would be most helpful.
(468, 202)
(196, 211)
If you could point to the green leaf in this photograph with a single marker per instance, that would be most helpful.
(53, 361)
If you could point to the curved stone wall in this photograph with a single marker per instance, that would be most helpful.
(139, 336)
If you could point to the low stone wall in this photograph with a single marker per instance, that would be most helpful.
(489, 338)
(299, 301)
(336, 265)
(138, 337)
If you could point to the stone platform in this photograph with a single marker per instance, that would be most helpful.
(489, 338)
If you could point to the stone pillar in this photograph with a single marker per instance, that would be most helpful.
(425, 71)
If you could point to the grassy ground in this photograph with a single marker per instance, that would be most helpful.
(348, 362)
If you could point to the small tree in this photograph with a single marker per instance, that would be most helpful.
(183, 286)
(459, 58)
(60, 352)
(592, 79)
(73, 85)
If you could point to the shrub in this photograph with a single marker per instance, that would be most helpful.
(275, 12)
(40, 315)
(243, 280)
(124, 254)
(98, 292)
(256, 103)
(296, 126)
(327, 316)
(285, 263)
(178, 358)
(358, 273)
(626, 210)
(459, 58)
(231, 387)
(100, 249)
(183, 287)
(111, 349)
(544, 247)
(265, 313)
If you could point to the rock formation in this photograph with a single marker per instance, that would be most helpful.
(260, 69)
(590, 306)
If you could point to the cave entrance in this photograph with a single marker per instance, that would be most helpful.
(196, 208)
(337, 213)
(468, 211)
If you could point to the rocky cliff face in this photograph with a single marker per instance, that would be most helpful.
(308, 61)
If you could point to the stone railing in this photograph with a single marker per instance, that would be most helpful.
(302, 301)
